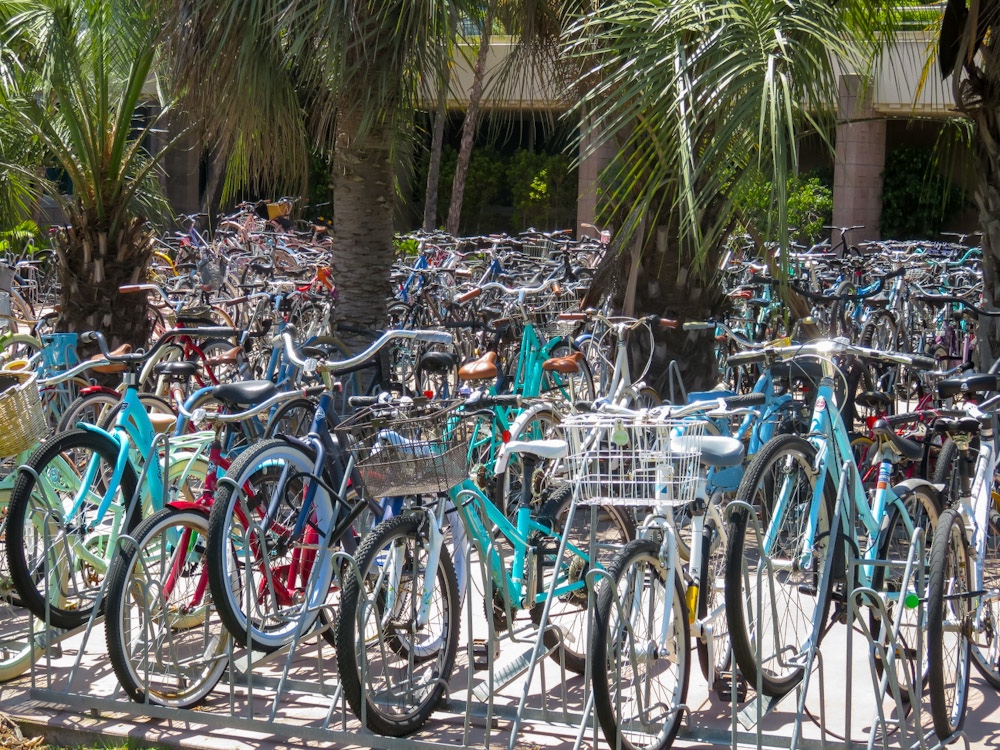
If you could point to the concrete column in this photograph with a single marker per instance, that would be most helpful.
(860, 160)
(594, 157)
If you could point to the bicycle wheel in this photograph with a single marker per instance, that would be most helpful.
(711, 603)
(894, 545)
(771, 593)
(640, 678)
(57, 559)
(291, 418)
(266, 576)
(88, 408)
(612, 529)
(986, 634)
(165, 640)
(948, 617)
(393, 668)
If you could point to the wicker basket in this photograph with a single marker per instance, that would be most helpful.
(407, 450)
(22, 422)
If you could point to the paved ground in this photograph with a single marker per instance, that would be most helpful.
(90, 708)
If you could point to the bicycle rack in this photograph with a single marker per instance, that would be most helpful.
(269, 694)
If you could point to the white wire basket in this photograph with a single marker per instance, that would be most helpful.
(640, 460)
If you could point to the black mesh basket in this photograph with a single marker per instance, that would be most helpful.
(407, 449)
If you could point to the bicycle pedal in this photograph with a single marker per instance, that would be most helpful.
(723, 687)
(481, 656)
(808, 589)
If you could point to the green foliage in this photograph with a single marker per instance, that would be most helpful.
(484, 185)
(916, 196)
(17, 238)
(809, 205)
(543, 190)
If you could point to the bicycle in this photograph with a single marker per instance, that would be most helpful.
(78, 492)
(774, 585)
(398, 627)
(283, 507)
(166, 642)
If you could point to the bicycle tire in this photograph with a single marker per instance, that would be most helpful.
(637, 580)
(711, 598)
(948, 615)
(986, 646)
(923, 508)
(371, 652)
(293, 418)
(166, 643)
(568, 614)
(799, 590)
(278, 610)
(34, 553)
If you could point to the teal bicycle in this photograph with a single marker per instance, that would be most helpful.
(398, 629)
(79, 491)
(776, 592)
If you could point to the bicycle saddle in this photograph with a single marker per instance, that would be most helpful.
(716, 450)
(484, 368)
(904, 446)
(181, 370)
(246, 393)
(113, 366)
(440, 362)
(566, 365)
(977, 382)
(228, 357)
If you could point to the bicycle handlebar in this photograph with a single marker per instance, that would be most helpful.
(140, 356)
(831, 347)
(252, 411)
(948, 299)
(345, 365)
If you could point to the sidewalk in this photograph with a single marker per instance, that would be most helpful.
(225, 723)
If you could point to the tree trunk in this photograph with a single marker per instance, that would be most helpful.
(437, 146)
(469, 127)
(363, 209)
(92, 266)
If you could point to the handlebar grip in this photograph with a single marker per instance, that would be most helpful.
(360, 401)
(745, 400)
(88, 337)
(669, 323)
(746, 358)
(572, 316)
(133, 288)
(469, 295)
(695, 325)
(922, 362)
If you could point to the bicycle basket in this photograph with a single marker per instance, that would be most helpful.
(407, 450)
(637, 460)
(22, 422)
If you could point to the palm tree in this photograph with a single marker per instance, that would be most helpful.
(73, 78)
(966, 53)
(341, 75)
(697, 95)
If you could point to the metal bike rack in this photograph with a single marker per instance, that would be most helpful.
(293, 693)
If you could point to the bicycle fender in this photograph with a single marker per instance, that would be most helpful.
(98, 389)
(188, 505)
(905, 488)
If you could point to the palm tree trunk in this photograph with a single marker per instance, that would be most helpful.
(363, 199)
(469, 126)
(437, 146)
(92, 268)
